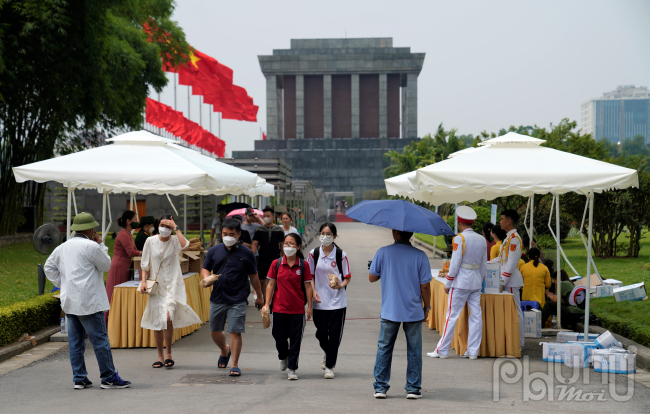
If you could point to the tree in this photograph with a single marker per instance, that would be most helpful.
(74, 72)
(636, 146)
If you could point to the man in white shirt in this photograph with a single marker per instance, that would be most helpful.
(77, 267)
(467, 269)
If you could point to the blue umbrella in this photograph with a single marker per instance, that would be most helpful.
(399, 215)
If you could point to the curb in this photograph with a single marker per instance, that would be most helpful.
(642, 354)
(40, 337)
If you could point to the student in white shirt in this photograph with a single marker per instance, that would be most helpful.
(330, 302)
(77, 267)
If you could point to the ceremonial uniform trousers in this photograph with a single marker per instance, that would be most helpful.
(457, 300)
(466, 272)
(509, 256)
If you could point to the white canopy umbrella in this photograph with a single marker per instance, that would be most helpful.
(509, 166)
(119, 168)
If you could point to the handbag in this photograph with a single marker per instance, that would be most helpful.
(152, 285)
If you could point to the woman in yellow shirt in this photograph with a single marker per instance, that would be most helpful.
(498, 235)
(536, 278)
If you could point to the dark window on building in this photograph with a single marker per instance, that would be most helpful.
(341, 106)
(314, 107)
(392, 110)
(369, 106)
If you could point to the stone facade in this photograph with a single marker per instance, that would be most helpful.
(353, 164)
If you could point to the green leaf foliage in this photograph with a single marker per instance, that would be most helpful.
(28, 317)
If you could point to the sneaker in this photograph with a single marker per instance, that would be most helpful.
(413, 395)
(80, 385)
(380, 395)
(284, 364)
(435, 354)
(465, 355)
(292, 375)
(115, 382)
(322, 361)
(329, 374)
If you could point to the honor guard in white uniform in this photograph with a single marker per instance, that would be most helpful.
(467, 269)
(509, 256)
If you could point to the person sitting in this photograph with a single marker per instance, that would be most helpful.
(571, 314)
(537, 278)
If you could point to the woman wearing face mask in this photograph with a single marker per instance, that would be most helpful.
(123, 251)
(289, 289)
(167, 308)
(286, 224)
(330, 303)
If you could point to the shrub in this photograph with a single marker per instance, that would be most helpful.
(545, 241)
(631, 330)
(28, 317)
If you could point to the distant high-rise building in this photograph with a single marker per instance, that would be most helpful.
(618, 115)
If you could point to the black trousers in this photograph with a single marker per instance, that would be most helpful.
(568, 318)
(287, 331)
(329, 331)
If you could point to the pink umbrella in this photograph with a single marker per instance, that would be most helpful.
(242, 212)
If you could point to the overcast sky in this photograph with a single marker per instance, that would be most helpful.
(488, 64)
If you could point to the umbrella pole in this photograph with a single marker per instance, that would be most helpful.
(201, 218)
(589, 259)
(67, 232)
(559, 277)
(185, 210)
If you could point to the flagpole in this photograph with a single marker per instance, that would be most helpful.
(175, 94)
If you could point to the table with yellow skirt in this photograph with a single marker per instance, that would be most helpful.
(127, 307)
(500, 322)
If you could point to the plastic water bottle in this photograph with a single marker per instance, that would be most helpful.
(136, 275)
(554, 322)
(63, 331)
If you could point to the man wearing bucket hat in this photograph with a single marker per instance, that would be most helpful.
(467, 269)
(77, 267)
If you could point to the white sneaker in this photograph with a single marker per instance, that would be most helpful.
(380, 395)
(292, 375)
(414, 395)
(435, 354)
(322, 361)
(465, 355)
(284, 363)
(329, 374)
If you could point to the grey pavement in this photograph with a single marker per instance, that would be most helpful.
(196, 385)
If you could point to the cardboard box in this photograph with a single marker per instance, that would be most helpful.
(631, 292)
(195, 258)
(491, 283)
(603, 291)
(533, 324)
(575, 278)
(136, 264)
(185, 265)
(578, 354)
(595, 281)
(614, 361)
(563, 337)
(613, 282)
(552, 351)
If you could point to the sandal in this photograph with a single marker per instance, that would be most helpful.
(235, 372)
(157, 364)
(223, 361)
(169, 363)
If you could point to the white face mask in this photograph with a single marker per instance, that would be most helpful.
(290, 251)
(267, 220)
(164, 231)
(132, 232)
(326, 240)
(229, 241)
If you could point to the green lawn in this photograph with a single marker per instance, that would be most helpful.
(633, 317)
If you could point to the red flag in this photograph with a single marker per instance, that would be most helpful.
(163, 116)
(263, 136)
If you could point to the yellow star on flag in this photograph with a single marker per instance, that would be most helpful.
(194, 59)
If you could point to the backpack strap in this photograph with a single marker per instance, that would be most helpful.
(339, 260)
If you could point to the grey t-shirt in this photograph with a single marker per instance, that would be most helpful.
(250, 228)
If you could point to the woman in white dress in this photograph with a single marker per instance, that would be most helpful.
(168, 308)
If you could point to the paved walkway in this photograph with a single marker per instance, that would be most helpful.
(195, 384)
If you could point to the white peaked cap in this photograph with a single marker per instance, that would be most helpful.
(466, 213)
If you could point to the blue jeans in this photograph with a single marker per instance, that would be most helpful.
(387, 336)
(78, 326)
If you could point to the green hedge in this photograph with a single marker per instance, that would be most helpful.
(28, 317)
(630, 330)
